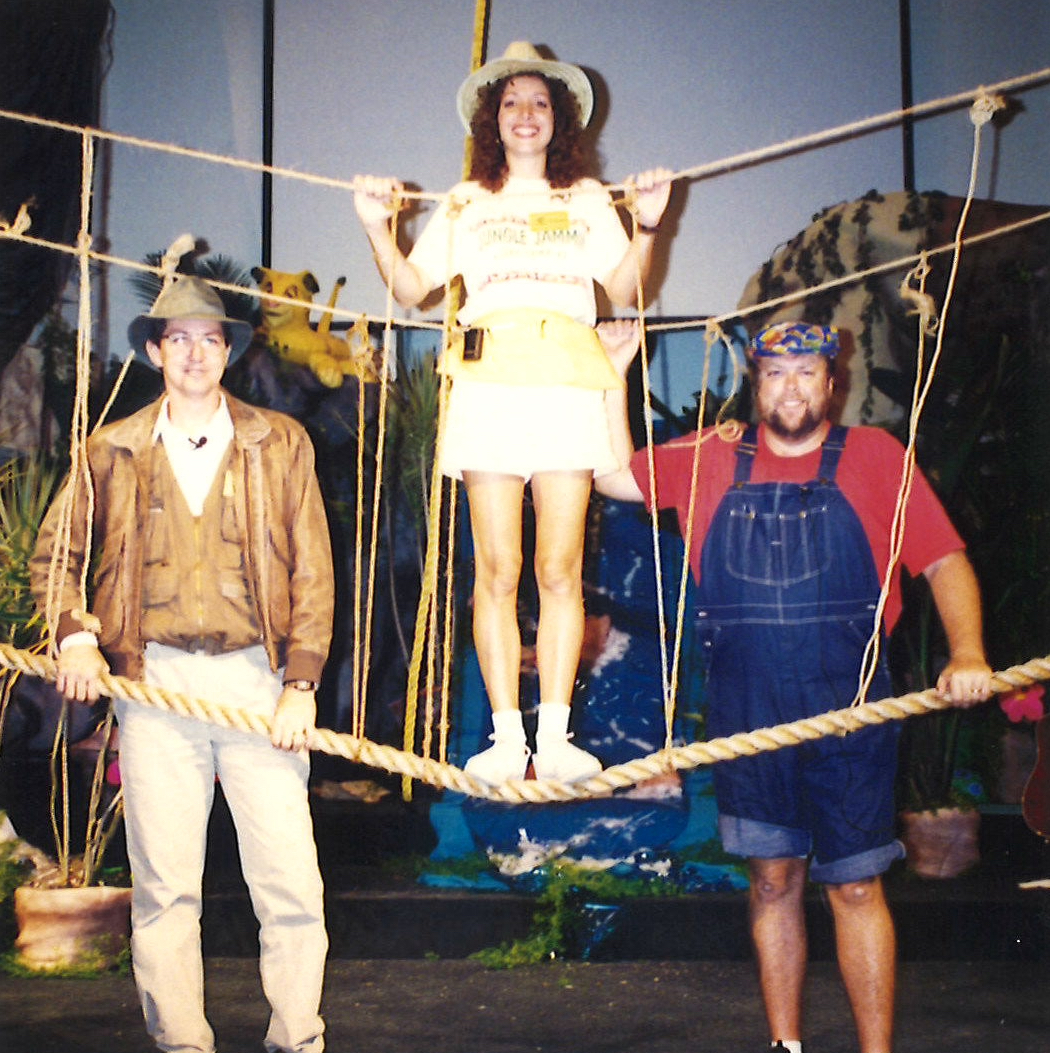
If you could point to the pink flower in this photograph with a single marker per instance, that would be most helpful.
(1023, 704)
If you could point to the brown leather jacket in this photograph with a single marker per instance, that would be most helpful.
(288, 557)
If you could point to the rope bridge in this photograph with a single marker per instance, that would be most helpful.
(435, 772)
(538, 791)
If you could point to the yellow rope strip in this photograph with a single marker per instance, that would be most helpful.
(453, 301)
(670, 669)
(449, 630)
(428, 609)
(536, 791)
(666, 674)
(654, 524)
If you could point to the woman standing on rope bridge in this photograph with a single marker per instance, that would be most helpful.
(529, 234)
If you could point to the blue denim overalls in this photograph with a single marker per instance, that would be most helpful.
(787, 597)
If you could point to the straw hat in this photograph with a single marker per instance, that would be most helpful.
(189, 297)
(522, 57)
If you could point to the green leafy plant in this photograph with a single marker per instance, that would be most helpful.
(932, 746)
(469, 867)
(557, 921)
(26, 490)
(92, 964)
(14, 870)
(412, 429)
(412, 423)
(27, 487)
(219, 267)
(980, 444)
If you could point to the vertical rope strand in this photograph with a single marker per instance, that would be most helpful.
(428, 595)
(687, 534)
(980, 113)
(449, 630)
(377, 494)
(79, 468)
(428, 590)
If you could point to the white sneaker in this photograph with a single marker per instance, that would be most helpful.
(561, 761)
(500, 762)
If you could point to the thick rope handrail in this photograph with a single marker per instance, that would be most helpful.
(16, 230)
(852, 278)
(17, 233)
(537, 791)
(722, 165)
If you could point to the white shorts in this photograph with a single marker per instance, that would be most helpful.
(520, 430)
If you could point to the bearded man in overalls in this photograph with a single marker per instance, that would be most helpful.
(790, 544)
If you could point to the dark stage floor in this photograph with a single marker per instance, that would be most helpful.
(673, 975)
(615, 1007)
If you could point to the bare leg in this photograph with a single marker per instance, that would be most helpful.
(778, 930)
(495, 519)
(867, 950)
(561, 500)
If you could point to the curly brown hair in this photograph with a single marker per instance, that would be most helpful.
(566, 155)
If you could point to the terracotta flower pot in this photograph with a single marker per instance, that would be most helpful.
(941, 843)
(66, 927)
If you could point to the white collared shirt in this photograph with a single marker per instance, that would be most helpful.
(195, 459)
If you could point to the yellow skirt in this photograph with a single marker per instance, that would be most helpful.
(517, 429)
(529, 346)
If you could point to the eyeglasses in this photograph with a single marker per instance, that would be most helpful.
(210, 343)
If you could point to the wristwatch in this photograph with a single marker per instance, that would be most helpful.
(301, 685)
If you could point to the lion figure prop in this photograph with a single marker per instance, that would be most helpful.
(287, 332)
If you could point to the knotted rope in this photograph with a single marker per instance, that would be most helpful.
(405, 763)
(537, 791)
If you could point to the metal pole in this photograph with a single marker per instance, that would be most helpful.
(907, 125)
(267, 132)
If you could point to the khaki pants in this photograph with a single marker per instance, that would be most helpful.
(169, 765)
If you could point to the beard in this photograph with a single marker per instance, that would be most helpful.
(806, 426)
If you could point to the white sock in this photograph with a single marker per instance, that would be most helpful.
(508, 727)
(552, 723)
(792, 1045)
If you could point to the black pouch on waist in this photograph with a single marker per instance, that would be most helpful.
(472, 343)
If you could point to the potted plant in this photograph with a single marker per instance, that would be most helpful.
(979, 447)
(67, 916)
(938, 795)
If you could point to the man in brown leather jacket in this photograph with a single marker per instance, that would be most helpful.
(213, 579)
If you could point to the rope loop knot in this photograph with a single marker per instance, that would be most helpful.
(913, 291)
(984, 107)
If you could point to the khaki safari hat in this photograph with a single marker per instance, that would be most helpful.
(189, 297)
(522, 57)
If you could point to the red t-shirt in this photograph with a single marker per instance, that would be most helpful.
(869, 476)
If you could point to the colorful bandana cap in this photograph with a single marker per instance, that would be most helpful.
(795, 338)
